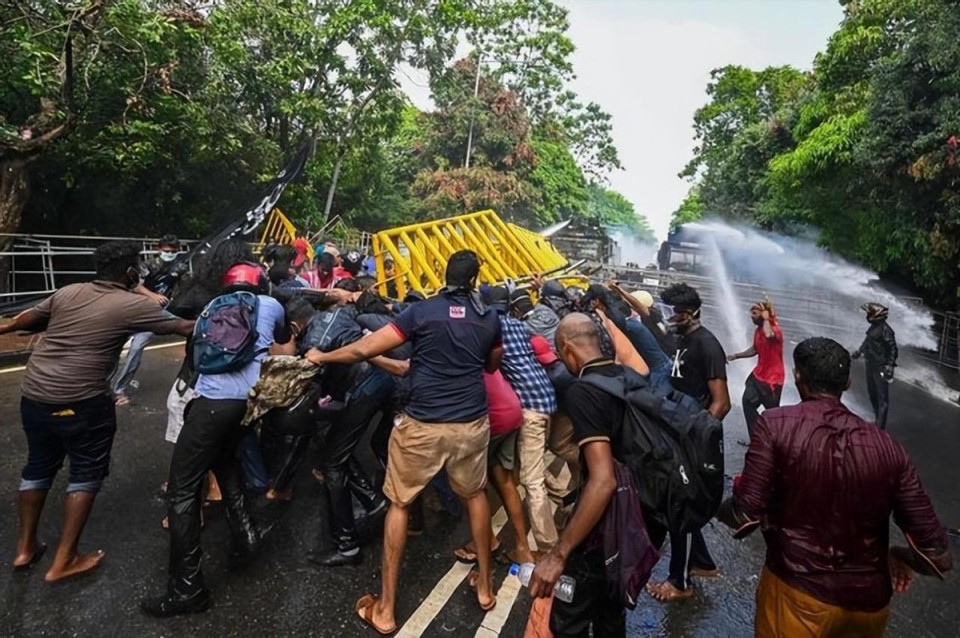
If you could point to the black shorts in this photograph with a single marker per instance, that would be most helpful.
(81, 431)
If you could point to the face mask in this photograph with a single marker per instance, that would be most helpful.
(167, 256)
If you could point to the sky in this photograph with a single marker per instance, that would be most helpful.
(647, 63)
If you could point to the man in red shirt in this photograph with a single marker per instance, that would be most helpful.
(765, 383)
(822, 484)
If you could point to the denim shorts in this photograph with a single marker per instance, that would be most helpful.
(81, 431)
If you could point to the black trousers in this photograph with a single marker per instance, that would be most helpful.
(755, 394)
(879, 391)
(592, 606)
(686, 552)
(209, 440)
(345, 434)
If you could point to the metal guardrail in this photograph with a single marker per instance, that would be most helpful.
(40, 264)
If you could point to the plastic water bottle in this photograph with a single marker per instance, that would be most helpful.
(563, 590)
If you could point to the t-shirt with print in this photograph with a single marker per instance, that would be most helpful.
(271, 328)
(87, 326)
(451, 345)
(699, 358)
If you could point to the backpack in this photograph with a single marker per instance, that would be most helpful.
(225, 335)
(628, 554)
(673, 447)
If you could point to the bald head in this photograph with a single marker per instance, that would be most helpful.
(578, 341)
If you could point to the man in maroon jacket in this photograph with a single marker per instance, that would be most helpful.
(822, 483)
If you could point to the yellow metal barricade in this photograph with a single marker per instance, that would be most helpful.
(279, 230)
(420, 252)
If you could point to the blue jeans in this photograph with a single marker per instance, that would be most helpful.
(646, 345)
(82, 431)
(251, 460)
(120, 381)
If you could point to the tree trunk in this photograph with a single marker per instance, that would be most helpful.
(333, 187)
(14, 193)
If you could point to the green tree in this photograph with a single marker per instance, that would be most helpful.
(612, 209)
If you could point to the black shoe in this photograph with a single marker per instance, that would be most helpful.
(333, 558)
(167, 606)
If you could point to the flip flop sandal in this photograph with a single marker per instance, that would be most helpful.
(699, 572)
(468, 557)
(364, 609)
(472, 584)
(37, 555)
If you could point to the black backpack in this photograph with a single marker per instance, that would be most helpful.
(673, 447)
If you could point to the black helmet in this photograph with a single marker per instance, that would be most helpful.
(553, 288)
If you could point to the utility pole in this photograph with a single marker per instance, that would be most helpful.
(473, 113)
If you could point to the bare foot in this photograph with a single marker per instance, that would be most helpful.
(665, 592)
(81, 564)
(29, 555)
(213, 489)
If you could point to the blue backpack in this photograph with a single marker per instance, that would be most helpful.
(225, 334)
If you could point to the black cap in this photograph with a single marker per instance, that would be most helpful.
(497, 297)
(520, 302)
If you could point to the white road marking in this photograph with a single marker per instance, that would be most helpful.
(156, 347)
(432, 604)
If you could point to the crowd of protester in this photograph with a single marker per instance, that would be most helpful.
(476, 386)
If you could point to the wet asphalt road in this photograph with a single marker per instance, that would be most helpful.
(282, 595)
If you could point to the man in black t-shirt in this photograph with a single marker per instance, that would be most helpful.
(593, 413)
(700, 371)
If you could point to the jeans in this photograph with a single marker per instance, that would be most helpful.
(755, 394)
(82, 431)
(251, 459)
(648, 348)
(120, 382)
(592, 605)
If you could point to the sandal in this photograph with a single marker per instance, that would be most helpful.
(469, 557)
(665, 592)
(364, 610)
(702, 572)
(472, 578)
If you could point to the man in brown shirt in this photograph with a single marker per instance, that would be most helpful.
(822, 483)
(67, 407)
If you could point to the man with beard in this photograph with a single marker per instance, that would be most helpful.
(765, 384)
(699, 370)
(879, 351)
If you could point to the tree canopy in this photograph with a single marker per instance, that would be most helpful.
(862, 148)
(153, 116)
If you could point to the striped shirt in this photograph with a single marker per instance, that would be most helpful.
(522, 370)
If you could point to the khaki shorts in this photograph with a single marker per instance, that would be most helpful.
(419, 450)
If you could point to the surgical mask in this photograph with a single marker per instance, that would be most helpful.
(167, 256)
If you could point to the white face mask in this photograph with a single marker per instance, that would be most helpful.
(167, 256)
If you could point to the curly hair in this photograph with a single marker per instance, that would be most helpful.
(115, 258)
(823, 364)
(682, 296)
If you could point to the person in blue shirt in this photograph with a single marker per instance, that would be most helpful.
(444, 424)
(211, 434)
